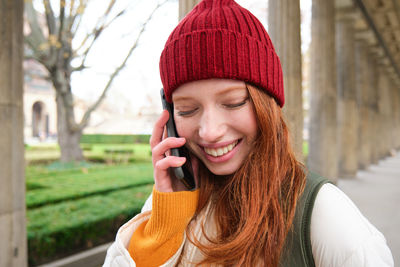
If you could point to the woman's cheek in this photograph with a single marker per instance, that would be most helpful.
(185, 129)
(182, 127)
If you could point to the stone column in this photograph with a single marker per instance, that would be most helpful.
(13, 247)
(383, 112)
(379, 117)
(363, 88)
(392, 116)
(373, 106)
(397, 134)
(387, 113)
(347, 112)
(322, 156)
(284, 30)
(396, 116)
(185, 6)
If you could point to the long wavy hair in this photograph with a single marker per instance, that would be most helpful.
(255, 206)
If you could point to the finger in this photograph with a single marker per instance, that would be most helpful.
(158, 129)
(170, 161)
(165, 145)
(165, 135)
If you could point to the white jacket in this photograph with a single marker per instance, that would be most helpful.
(340, 236)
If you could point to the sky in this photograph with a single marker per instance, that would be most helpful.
(137, 86)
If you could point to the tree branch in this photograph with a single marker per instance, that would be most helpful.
(77, 15)
(61, 19)
(35, 39)
(79, 68)
(71, 7)
(96, 35)
(109, 8)
(70, 17)
(33, 22)
(100, 26)
(51, 22)
(53, 43)
(86, 116)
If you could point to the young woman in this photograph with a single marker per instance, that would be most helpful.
(255, 204)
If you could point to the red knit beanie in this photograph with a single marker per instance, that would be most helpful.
(221, 39)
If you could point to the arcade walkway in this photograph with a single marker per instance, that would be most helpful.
(376, 192)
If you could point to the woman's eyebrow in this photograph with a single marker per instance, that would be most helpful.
(181, 98)
(230, 89)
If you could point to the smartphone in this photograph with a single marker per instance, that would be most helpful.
(182, 173)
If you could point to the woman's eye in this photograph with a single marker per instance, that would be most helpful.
(236, 105)
(186, 113)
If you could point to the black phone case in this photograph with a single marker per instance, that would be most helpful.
(182, 173)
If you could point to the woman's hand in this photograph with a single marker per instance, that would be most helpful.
(164, 180)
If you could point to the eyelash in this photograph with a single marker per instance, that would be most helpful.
(186, 113)
(230, 106)
(237, 104)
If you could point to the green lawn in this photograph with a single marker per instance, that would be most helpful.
(68, 214)
(72, 207)
(70, 226)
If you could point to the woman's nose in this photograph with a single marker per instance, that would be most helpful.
(212, 127)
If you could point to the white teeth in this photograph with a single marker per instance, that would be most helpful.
(220, 151)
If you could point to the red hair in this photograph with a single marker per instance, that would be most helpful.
(255, 206)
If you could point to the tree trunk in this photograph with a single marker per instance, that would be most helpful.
(68, 139)
(68, 131)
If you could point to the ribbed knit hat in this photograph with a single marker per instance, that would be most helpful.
(221, 39)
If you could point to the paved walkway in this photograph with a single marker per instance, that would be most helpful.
(376, 192)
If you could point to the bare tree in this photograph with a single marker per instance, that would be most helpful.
(51, 46)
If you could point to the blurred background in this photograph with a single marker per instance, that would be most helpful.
(79, 94)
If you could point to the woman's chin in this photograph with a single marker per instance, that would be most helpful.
(221, 170)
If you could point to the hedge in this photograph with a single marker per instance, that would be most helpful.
(114, 139)
(58, 230)
(46, 187)
(94, 153)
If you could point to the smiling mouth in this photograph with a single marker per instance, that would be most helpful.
(218, 152)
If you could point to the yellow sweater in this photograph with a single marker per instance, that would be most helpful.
(158, 239)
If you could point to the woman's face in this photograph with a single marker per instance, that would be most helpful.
(218, 121)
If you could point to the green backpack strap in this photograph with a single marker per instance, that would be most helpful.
(297, 250)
